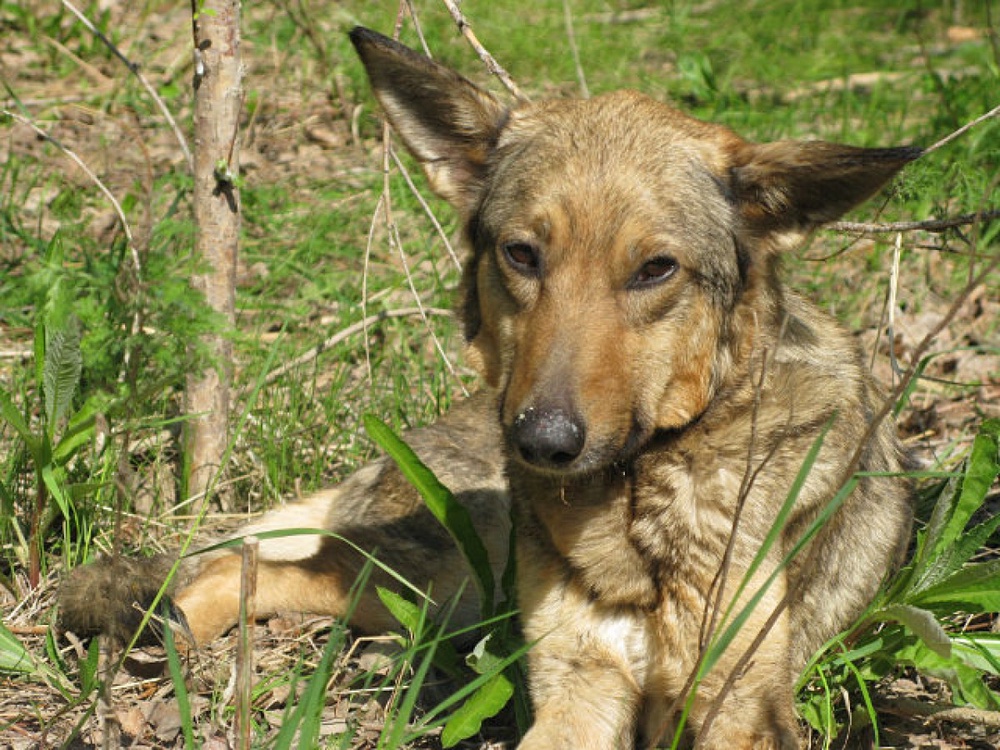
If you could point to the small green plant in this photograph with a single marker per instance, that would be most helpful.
(495, 658)
(913, 624)
(54, 434)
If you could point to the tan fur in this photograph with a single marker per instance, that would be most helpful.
(653, 392)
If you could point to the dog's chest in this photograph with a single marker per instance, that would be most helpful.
(631, 538)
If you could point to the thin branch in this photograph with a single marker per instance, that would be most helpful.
(956, 714)
(571, 37)
(384, 204)
(963, 130)
(352, 329)
(412, 13)
(93, 177)
(427, 209)
(395, 239)
(244, 653)
(134, 70)
(491, 64)
(365, 268)
(928, 225)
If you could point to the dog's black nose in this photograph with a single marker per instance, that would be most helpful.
(551, 438)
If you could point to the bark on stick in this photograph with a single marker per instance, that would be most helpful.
(218, 102)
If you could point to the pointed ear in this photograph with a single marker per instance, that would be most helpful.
(784, 190)
(448, 123)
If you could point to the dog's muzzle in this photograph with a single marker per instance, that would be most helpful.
(548, 438)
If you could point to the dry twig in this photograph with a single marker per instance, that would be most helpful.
(927, 225)
(491, 64)
(361, 325)
(134, 70)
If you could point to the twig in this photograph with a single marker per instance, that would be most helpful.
(365, 267)
(939, 712)
(928, 225)
(427, 209)
(244, 655)
(897, 254)
(397, 241)
(412, 13)
(134, 70)
(93, 177)
(571, 37)
(491, 64)
(352, 329)
(962, 130)
(384, 205)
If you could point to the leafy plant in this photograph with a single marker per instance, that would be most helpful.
(58, 433)
(495, 656)
(912, 624)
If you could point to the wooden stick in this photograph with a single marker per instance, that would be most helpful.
(244, 655)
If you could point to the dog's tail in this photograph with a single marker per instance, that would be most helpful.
(112, 595)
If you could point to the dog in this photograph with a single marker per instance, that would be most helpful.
(670, 427)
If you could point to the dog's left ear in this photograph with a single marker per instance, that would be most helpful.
(448, 123)
(786, 189)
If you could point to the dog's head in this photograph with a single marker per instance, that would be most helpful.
(620, 249)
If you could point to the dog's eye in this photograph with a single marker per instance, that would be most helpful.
(654, 271)
(522, 257)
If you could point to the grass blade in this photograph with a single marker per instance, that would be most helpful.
(452, 514)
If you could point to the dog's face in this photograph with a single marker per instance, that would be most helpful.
(622, 251)
(604, 251)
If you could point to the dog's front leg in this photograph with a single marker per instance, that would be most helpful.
(747, 701)
(586, 665)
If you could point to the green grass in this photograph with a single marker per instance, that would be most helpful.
(773, 69)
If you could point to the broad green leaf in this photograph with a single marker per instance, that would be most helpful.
(13, 416)
(981, 470)
(966, 682)
(961, 498)
(89, 679)
(974, 588)
(414, 619)
(14, 657)
(407, 614)
(486, 702)
(54, 485)
(981, 651)
(958, 554)
(481, 659)
(923, 624)
(79, 432)
(449, 512)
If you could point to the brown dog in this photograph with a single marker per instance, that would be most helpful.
(653, 394)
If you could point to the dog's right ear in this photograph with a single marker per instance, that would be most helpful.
(450, 124)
